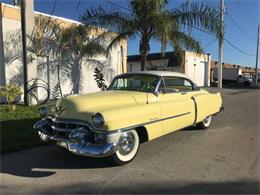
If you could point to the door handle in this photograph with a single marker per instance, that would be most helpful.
(183, 93)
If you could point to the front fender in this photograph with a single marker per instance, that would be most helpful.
(132, 116)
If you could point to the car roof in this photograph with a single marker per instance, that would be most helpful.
(158, 73)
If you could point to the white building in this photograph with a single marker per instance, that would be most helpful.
(195, 66)
(11, 67)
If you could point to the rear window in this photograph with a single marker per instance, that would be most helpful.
(177, 84)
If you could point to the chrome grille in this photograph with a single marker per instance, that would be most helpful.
(68, 124)
(62, 127)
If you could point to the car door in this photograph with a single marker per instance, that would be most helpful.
(177, 107)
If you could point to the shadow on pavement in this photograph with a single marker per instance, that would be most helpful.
(238, 187)
(26, 163)
(225, 187)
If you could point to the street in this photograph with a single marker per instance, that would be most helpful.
(222, 159)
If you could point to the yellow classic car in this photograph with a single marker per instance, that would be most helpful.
(136, 108)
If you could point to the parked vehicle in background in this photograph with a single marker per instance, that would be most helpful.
(136, 107)
(232, 75)
(244, 80)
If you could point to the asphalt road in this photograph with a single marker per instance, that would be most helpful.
(223, 159)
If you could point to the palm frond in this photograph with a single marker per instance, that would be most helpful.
(110, 19)
(182, 41)
(197, 14)
(117, 39)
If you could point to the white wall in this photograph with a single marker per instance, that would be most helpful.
(197, 68)
(37, 66)
(2, 63)
(133, 66)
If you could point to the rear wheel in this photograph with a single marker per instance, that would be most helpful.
(127, 147)
(205, 123)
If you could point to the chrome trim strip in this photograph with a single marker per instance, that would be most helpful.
(72, 121)
(150, 122)
(61, 129)
(59, 139)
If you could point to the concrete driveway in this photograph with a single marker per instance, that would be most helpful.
(223, 159)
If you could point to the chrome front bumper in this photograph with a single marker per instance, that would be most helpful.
(76, 141)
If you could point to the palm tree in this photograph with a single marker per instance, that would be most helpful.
(77, 42)
(149, 19)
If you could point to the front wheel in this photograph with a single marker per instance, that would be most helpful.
(127, 147)
(205, 123)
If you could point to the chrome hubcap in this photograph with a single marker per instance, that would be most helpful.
(207, 120)
(126, 143)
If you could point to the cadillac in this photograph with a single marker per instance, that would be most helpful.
(136, 108)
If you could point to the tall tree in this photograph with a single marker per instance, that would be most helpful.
(149, 19)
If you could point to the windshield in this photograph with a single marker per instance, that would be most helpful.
(135, 82)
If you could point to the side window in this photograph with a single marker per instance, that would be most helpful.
(177, 84)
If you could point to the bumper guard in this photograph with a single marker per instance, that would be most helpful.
(76, 141)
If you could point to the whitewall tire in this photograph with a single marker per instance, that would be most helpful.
(127, 147)
(205, 123)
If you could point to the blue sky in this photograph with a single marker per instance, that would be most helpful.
(241, 20)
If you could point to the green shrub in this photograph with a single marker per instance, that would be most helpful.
(10, 92)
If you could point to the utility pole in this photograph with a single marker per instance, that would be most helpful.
(257, 48)
(25, 70)
(220, 47)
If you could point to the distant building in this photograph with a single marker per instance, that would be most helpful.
(11, 62)
(195, 66)
(242, 69)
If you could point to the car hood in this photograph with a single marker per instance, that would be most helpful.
(82, 107)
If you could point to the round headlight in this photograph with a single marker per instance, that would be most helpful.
(98, 120)
(43, 111)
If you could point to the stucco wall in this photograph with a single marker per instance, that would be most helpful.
(197, 67)
(112, 65)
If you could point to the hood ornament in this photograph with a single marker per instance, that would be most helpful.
(59, 109)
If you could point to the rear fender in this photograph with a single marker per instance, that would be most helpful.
(206, 105)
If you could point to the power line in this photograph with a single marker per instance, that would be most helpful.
(229, 42)
(240, 50)
(241, 29)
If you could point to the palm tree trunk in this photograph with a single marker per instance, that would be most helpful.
(143, 61)
(144, 49)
